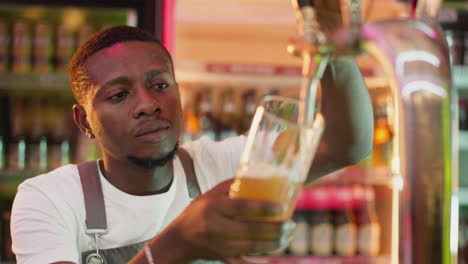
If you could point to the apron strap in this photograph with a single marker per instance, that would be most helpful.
(96, 222)
(187, 164)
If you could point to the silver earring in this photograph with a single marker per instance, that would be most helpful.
(89, 134)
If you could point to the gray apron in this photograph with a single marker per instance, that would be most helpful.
(96, 223)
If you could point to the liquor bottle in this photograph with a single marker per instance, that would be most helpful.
(16, 160)
(368, 234)
(382, 150)
(228, 115)
(58, 136)
(345, 240)
(21, 47)
(3, 134)
(83, 34)
(322, 231)
(191, 123)
(2, 150)
(37, 143)
(249, 103)
(463, 113)
(299, 245)
(4, 46)
(206, 120)
(42, 47)
(7, 254)
(64, 47)
(465, 48)
(455, 45)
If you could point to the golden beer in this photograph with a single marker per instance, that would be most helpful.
(276, 188)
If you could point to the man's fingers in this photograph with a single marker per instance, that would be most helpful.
(222, 187)
(242, 247)
(245, 208)
(230, 228)
(246, 260)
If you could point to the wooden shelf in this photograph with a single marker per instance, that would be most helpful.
(35, 81)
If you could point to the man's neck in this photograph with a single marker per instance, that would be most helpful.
(135, 180)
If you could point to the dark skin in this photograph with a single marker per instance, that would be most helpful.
(134, 110)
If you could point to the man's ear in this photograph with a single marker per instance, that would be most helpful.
(81, 119)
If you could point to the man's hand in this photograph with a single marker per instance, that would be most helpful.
(210, 227)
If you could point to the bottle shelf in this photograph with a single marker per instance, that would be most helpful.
(34, 81)
(9, 181)
(321, 260)
(358, 175)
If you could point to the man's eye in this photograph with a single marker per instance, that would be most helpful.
(119, 96)
(160, 86)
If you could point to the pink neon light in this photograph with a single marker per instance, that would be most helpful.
(168, 27)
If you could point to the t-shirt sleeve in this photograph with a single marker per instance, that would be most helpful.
(39, 232)
(215, 161)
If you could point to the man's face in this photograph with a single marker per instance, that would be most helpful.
(134, 109)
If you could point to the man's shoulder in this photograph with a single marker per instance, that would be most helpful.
(62, 178)
(206, 144)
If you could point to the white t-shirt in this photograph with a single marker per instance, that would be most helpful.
(48, 215)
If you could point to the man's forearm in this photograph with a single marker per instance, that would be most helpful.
(347, 109)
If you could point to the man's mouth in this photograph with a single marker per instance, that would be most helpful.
(153, 133)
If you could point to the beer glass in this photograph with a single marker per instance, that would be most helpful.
(277, 156)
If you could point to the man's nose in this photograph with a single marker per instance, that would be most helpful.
(147, 103)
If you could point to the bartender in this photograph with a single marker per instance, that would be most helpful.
(149, 200)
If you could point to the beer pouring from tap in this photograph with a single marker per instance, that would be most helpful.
(307, 45)
(326, 28)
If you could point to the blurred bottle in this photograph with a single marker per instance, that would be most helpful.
(345, 240)
(320, 221)
(191, 123)
(21, 47)
(228, 115)
(299, 245)
(463, 113)
(249, 104)
(205, 118)
(368, 234)
(7, 252)
(4, 46)
(17, 143)
(64, 48)
(463, 233)
(465, 48)
(42, 47)
(455, 44)
(83, 34)
(36, 146)
(3, 130)
(382, 152)
(58, 133)
(461, 242)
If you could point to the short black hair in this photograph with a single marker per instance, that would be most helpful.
(105, 38)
